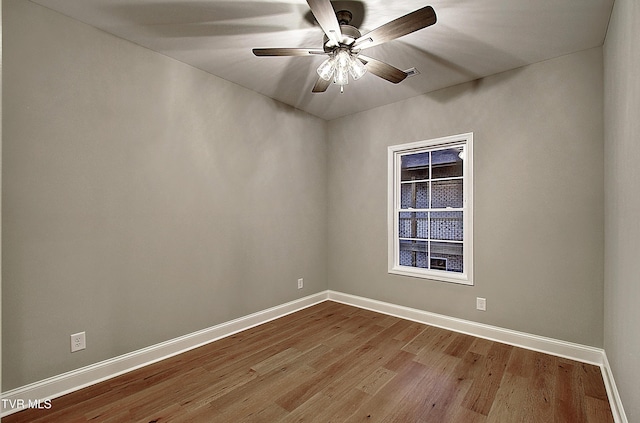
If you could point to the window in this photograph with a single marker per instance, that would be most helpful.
(430, 209)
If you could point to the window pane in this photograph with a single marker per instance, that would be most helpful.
(415, 166)
(446, 163)
(446, 226)
(413, 225)
(414, 254)
(415, 195)
(446, 193)
(447, 254)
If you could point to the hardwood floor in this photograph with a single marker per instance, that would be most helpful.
(336, 363)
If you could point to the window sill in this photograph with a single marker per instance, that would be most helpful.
(458, 278)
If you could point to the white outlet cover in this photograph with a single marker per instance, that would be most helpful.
(481, 304)
(78, 341)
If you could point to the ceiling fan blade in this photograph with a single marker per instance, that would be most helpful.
(397, 28)
(326, 17)
(383, 70)
(287, 51)
(321, 86)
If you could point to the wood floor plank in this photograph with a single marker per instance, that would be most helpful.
(277, 360)
(410, 332)
(482, 392)
(397, 360)
(598, 411)
(340, 409)
(336, 363)
(326, 408)
(592, 381)
(569, 397)
(423, 338)
(257, 397)
(374, 381)
(461, 415)
(433, 393)
(204, 414)
(459, 345)
(515, 401)
(219, 388)
(481, 346)
(449, 392)
(380, 406)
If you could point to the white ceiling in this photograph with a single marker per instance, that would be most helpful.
(472, 39)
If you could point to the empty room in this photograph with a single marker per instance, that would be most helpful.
(345, 211)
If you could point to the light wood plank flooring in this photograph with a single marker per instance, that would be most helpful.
(336, 363)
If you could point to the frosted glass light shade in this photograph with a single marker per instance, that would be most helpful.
(342, 76)
(357, 68)
(343, 59)
(326, 69)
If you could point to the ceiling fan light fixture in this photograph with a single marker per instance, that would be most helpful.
(339, 65)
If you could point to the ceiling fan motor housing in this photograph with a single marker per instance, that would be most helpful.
(349, 35)
(344, 17)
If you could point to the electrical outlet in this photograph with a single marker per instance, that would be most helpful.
(481, 304)
(300, 283)
(78, 342)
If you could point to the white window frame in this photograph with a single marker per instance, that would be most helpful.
(394, 155)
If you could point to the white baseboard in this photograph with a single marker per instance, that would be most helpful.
(612, 392)
(552, 346)
(47, 389)
(77, 379)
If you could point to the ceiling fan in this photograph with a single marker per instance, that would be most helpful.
(343, 44)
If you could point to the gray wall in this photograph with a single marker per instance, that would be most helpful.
(143, 199)
(538, 221)
(622, 202)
